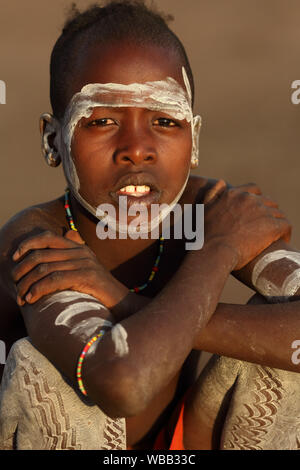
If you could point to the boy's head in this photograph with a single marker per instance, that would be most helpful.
(121, 92)
(117, 22)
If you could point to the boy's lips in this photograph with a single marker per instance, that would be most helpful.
(138, 188)
(135, 191)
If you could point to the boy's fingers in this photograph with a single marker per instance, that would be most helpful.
(284, 229)
(74, 236)
(252, 188)
(51, 272)
(278, 214)
(38, 257)
(216, 190)
(269, 202)
(55, 282)
(287, 235)
(45, 239)
(249, 188)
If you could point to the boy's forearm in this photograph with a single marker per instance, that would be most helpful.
(276, 271)
(256, 333)
(159, 336)
(261, 334)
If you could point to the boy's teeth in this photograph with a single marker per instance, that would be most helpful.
(135, 189)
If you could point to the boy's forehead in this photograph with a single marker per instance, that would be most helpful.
(165, 96)
(125, 65)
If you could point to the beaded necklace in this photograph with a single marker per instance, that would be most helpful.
(155, 267)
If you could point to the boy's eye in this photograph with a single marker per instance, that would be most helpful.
(165, 122)
(101, 122)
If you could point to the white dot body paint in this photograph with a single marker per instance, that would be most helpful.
(165, 95)
(119, 336)
(291, 283)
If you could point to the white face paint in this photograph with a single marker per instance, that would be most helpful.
(119, 337)
(166, 96)
(292, 281)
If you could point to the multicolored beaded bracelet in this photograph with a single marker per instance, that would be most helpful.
(81, 359)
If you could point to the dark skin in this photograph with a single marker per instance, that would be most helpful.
(240, 224)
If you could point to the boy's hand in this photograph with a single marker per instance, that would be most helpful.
(243, 219)
(47, 263)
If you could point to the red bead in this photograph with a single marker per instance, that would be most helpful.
(136, 289)
(155, 269)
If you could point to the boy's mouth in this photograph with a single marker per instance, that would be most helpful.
(138, 188)
(134, 191)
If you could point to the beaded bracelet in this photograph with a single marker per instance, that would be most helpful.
(81, 359)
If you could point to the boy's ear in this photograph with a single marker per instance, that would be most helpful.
(49, 129)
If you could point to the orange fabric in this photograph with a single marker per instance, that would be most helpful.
(177, 439)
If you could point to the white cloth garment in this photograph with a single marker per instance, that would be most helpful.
(40, 410)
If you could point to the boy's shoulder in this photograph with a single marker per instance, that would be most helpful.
(29, 221)
(197, 187)
(48, 215)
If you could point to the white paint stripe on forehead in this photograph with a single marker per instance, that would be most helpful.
(164, 95)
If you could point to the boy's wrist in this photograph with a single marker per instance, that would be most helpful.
(129, 305)
(116, 293)
(218, 246)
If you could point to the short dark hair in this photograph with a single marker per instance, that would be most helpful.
(126, 19)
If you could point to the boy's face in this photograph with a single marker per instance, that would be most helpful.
(121, 147)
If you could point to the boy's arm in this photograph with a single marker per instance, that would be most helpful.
(143, 353)
(273, 273)
(261, 334)
(270, 279)
(132, 362)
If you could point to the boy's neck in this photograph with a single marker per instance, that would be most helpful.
(111, 253)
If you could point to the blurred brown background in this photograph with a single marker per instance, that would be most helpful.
(245, 55)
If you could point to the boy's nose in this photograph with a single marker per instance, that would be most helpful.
(135, 148)
(135, 156)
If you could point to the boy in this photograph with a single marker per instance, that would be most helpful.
(72, 288)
